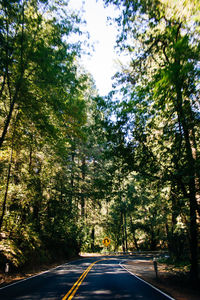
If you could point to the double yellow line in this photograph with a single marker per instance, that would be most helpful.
(76, 285)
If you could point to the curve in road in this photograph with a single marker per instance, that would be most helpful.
(84, 279)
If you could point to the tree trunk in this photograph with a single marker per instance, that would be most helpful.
(122, 232)
(18, 82)
(133, 233)
(8, 176)
(6, 124)
(83, 171)
(191, 184)
(93, 239)
(125, 232)
(6, 191)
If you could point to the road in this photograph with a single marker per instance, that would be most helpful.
(96, 278)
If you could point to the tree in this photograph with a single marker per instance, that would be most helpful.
(43, 111)
(37, 66)
(162, 80)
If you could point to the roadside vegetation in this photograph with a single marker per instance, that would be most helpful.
(76, 167)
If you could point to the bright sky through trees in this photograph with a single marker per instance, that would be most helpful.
(101, 64)
(66, 170)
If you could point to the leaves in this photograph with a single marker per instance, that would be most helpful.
(160, 95)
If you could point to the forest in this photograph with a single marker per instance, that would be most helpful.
(76, 167)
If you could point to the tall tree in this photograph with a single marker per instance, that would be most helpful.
(162, 79)
(44, 95)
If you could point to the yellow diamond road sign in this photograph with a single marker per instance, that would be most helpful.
(106, 241)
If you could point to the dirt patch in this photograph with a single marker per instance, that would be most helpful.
(173, 284)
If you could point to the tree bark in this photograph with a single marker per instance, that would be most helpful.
(133, 233)
(93, 239)
(83, 166)
(8, 175)
(191, 184)
(125, 232)
(6, 191)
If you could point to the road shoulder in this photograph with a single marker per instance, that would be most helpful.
(167, 282)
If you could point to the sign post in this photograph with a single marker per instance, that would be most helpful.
(106, 241)
(155, 264)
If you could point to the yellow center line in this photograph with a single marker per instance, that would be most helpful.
(76, 285)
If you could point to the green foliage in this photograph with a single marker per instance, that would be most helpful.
(160, 107)
(70, 174)
(46, 102)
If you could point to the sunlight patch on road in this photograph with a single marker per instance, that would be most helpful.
(76, 285)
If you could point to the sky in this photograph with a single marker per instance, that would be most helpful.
(102, 62)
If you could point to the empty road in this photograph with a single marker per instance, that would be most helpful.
(96, 278)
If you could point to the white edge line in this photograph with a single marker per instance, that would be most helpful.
(22, 280)
(146, 282)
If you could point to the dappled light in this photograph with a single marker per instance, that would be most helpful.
(91, 177)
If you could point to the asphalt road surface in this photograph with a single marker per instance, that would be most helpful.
(96, 278)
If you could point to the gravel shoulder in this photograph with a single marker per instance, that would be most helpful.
(173, 284)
